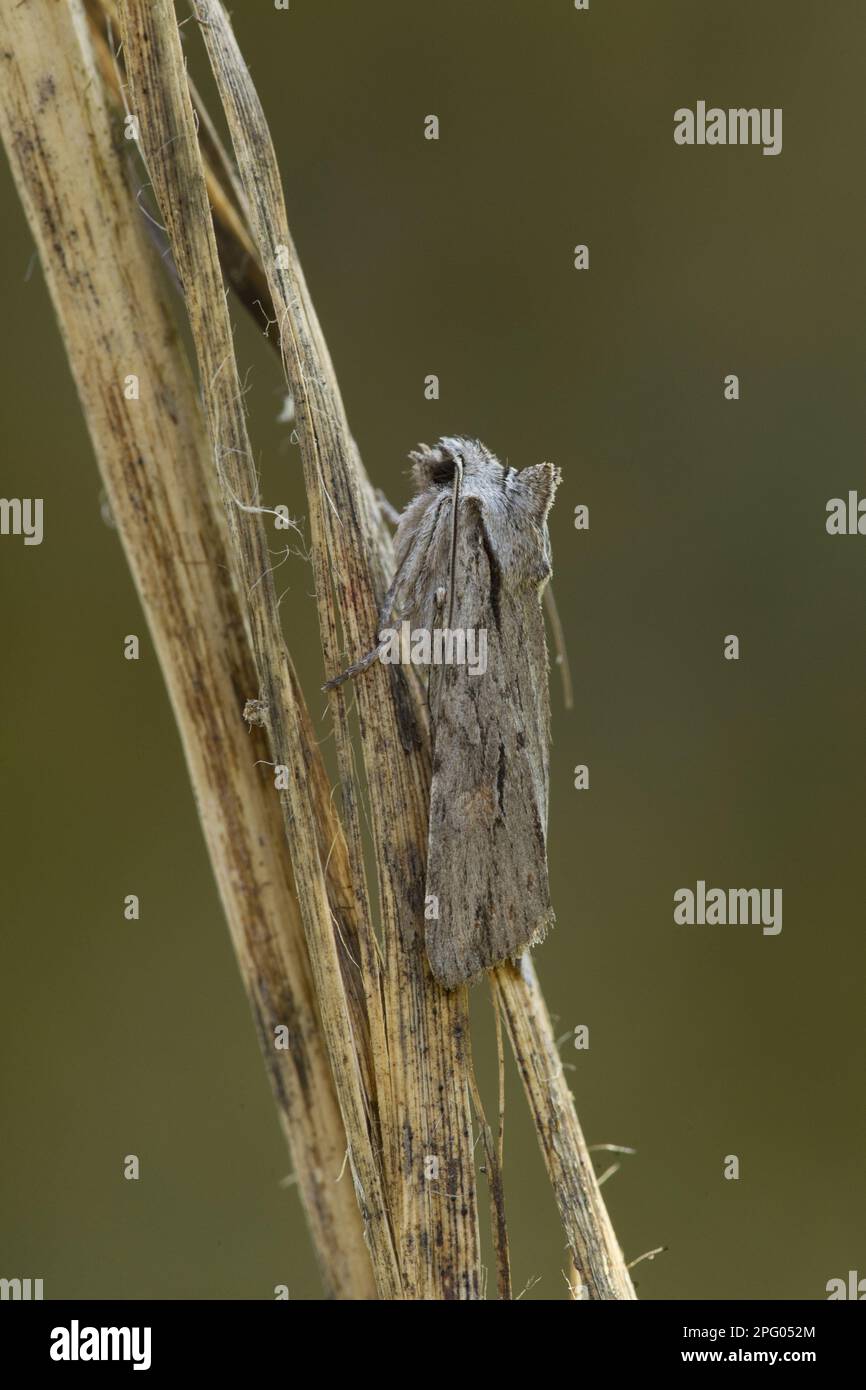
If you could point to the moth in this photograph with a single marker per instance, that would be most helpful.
(472, 555)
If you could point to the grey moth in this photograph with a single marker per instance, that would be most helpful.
(472, 559)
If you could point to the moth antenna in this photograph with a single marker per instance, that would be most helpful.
(560, 646)
(455, 502)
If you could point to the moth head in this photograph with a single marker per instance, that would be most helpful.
(436, 466)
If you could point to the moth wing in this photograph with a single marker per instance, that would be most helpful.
(487, 854)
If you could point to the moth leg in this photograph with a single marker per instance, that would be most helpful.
(388, 512)
(367, 661)
(351, 671)
(407, 570)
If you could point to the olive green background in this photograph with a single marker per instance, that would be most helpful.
(706, 518)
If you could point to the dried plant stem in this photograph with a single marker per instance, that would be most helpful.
(592, 1242)
(160, 98)
(424, 1099)
(110, 297)
(498, 1223)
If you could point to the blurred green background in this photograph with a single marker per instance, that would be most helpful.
(706, 518)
